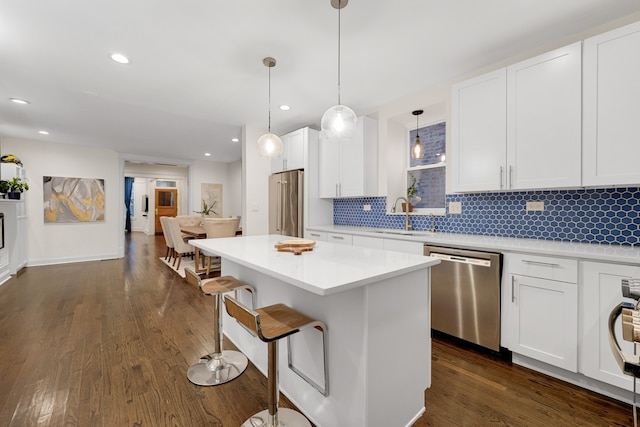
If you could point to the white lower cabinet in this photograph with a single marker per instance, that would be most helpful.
(416, 248)
(367, 242)
(600, 293)
(343, 239)
(320, 236)
(544, 312)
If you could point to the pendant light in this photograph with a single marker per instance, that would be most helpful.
(339, 122)
(269, 145)
(416, 150)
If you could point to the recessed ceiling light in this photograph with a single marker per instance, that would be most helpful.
(19, 101)
(43, 132)
(120, 58)
(285, 107)
(235, 140)
(207, 154)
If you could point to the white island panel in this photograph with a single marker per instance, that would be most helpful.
(378, 326)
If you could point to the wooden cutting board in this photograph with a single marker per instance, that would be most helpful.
(297, 246)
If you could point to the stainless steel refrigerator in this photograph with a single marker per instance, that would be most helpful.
(285, 203)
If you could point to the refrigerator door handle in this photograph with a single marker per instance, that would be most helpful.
(279, 204)
(283, 207)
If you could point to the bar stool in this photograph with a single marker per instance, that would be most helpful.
(271, 324)
(221, 366)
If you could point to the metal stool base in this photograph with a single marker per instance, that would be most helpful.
(286, 417)
(211, 371)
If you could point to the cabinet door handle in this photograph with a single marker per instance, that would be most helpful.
(501, 177)
(340, 187)
(510, 176)
(546, 264)
(513, 289)
(337, 237)
(336, 189)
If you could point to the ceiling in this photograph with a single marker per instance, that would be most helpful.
(196, 74)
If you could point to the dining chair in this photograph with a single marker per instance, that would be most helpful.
(216, 228)
(167, 238)
(180, 247)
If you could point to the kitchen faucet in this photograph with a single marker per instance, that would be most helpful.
(407, 223)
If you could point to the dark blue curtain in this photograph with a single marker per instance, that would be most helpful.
(128, 186)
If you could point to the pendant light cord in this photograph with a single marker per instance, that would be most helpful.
(269, 99)
(339, 7)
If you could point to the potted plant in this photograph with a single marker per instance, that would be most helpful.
(207, 210)
(4, 187)
(411, 194)
(15, 187)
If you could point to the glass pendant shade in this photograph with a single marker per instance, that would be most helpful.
(416, 150)
(339, 123)
(270, 145)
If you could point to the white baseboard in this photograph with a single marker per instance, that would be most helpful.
(51, 261)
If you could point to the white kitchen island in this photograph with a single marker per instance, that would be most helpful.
(376, 305)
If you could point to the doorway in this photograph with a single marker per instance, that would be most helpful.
(166, 205)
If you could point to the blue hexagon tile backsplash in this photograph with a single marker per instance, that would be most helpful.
(609, 215)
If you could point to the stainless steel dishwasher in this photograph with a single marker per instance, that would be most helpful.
(465, 294)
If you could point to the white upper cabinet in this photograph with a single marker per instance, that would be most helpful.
(479, 133)
(544, 120)
(350, 168)
(9, 171)
(519, 127)
(612, 108)
(292, 154)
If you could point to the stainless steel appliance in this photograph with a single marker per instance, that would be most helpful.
(465, 294)
(629, 363)
(285, 203)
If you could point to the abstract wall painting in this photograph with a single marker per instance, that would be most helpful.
(73, 199)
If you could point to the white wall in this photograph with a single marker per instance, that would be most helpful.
(59, 243)
(234, 205)
(203, 171)
(255, 185)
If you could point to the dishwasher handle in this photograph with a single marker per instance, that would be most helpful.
(461, 259)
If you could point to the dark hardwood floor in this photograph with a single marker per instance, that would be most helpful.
(108, 343)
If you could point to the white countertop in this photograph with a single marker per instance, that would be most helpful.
(584, 251)
(327, 269)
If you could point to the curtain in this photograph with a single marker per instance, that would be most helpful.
(128, 186)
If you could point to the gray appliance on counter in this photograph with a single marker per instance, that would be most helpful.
(285, 203)
(465, 294)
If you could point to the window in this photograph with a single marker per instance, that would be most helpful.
(429, 171)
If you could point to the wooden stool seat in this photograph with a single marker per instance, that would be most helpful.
(279, 320)
(221, 366)
(270, 324)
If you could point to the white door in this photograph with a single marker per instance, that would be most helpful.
(611, 108)
(545, 320)
(601, 293)
(544, 120)
(478, 148)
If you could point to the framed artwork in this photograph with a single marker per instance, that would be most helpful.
(73, 199)
(211, 195)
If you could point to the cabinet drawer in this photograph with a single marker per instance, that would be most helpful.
(320, 236)
(561, 269)
(345, 239)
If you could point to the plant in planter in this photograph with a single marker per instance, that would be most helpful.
(4, 187)
(411, 194)
(15, 187)
(207, 210)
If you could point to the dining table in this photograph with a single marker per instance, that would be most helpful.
(197, 232)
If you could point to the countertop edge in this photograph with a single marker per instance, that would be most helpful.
(583, 251)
